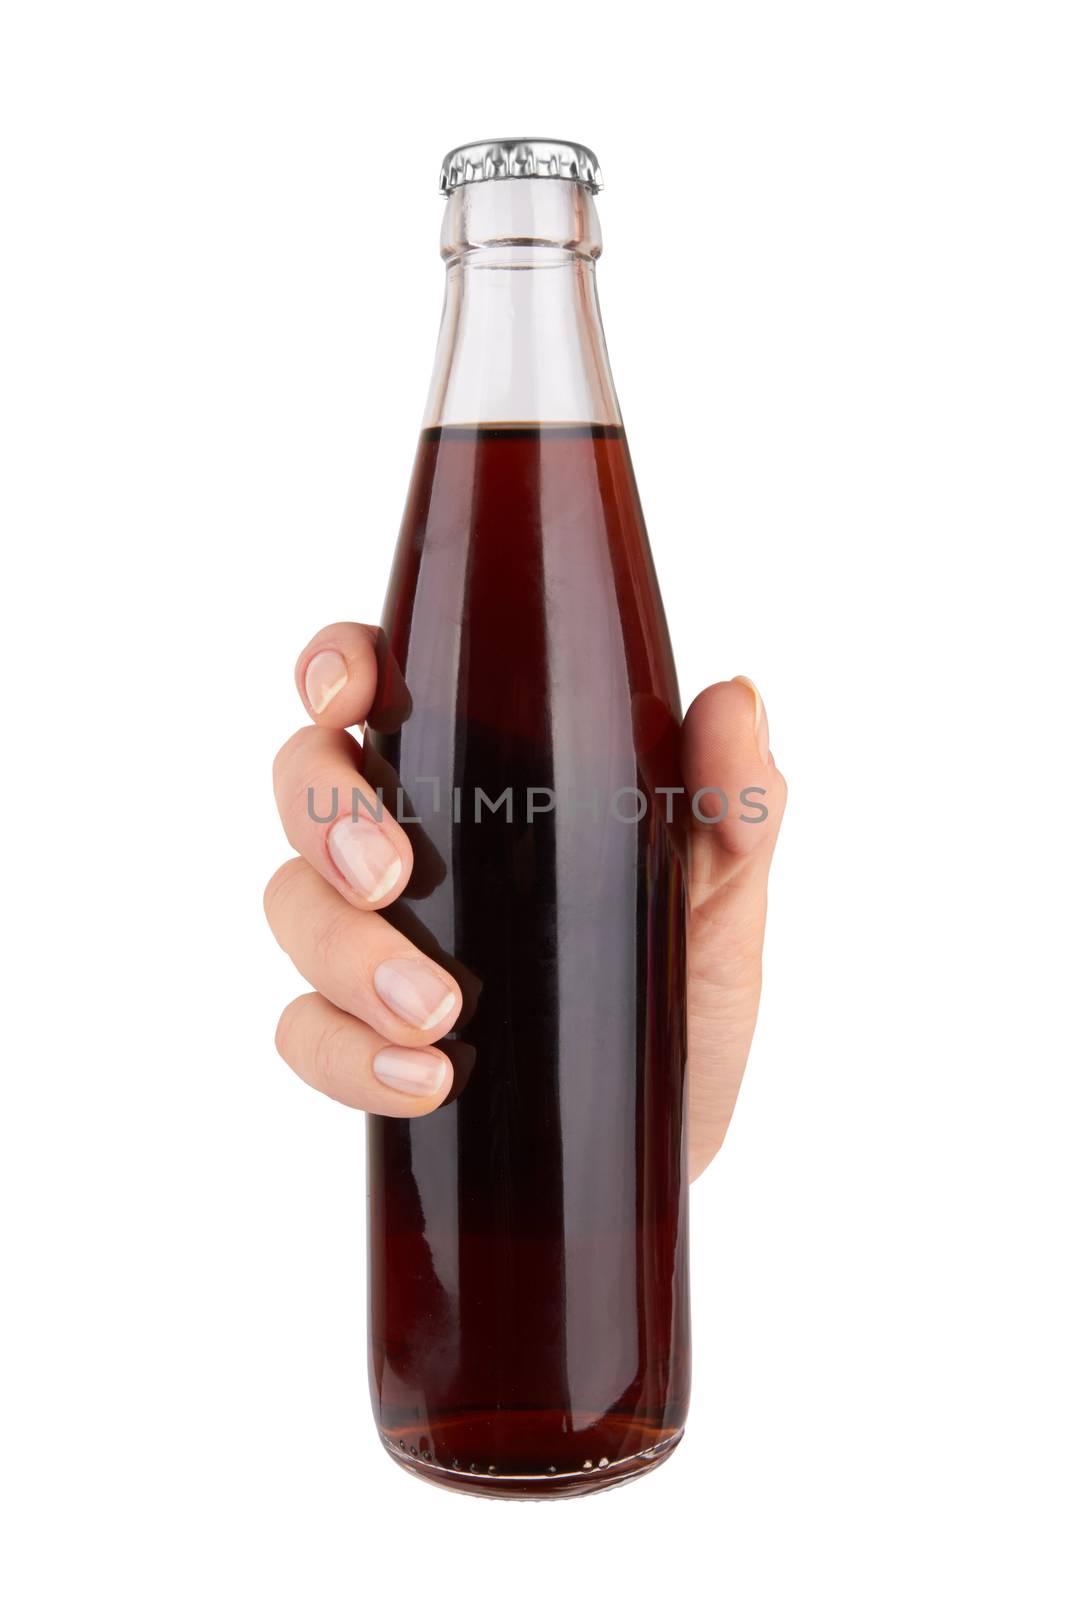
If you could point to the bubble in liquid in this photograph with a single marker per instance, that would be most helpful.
(587, 1466)
(603, 1461)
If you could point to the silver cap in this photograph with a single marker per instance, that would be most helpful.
(520, 158)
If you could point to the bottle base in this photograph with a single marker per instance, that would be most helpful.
(589, 1477)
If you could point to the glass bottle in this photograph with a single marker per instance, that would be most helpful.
(529, 1304)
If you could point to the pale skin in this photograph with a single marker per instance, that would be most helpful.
(366, 1033)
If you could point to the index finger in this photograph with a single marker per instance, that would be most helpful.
(337, 674)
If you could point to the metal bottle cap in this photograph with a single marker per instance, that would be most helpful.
(520, 158)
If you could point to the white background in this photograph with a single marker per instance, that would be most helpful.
(833, 288)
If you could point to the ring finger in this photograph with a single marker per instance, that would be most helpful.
(358, 961)
(345, 1059)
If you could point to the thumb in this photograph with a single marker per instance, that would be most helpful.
(737, 795)
(730, 775)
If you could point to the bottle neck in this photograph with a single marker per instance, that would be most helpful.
(521, 338)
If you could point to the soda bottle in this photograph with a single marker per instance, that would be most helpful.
(529, 1303)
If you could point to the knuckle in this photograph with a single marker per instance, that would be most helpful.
(285, 1032)
(309, 807)
(332, 939)
(314, 773)
(281, 886)
(330, 1059)
(291, 749)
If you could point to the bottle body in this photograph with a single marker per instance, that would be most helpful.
(529, 1312)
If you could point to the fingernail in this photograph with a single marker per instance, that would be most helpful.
(363, 855)
(411, 1071)
(414, 991)
(759, 722)
(324, 676)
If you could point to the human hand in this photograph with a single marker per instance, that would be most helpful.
(366, 1035)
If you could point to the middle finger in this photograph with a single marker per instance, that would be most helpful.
(337, 821)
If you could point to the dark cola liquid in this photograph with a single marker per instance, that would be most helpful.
(528, 1241)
